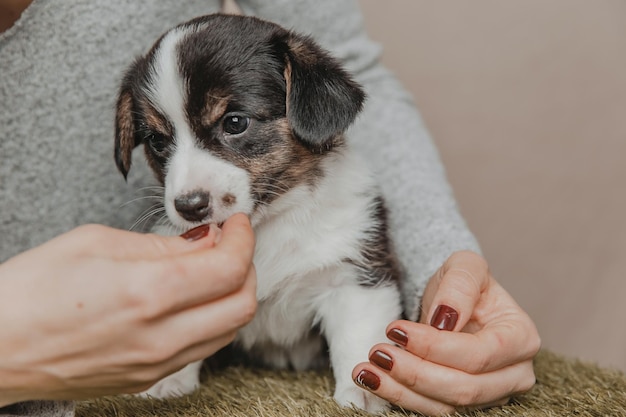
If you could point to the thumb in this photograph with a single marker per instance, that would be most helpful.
(459, 284)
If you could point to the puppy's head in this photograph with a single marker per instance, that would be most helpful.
(233, 112)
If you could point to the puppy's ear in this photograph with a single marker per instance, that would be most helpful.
(125, 130)
(322, 98)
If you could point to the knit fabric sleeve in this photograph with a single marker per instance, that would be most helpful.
(39, 409)
(425, 223)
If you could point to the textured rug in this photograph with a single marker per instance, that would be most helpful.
(565, 387)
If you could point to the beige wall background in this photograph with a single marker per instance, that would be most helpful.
(526, 100)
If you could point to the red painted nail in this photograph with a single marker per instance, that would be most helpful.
(445, 318)
(196, 233)
(398, 336)
(382, 360)
(368, 380)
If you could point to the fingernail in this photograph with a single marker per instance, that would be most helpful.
(398, 336)
(196, 233)
(445, 318)
(368, 380)
(382, 360)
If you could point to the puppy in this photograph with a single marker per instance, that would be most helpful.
(237, 114)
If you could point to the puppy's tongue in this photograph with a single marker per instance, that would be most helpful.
(202, 231)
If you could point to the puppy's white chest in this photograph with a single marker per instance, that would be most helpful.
(282, 333)
(281, 320)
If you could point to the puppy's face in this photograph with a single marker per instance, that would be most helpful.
(233, 112)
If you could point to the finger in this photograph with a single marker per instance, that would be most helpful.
(206, 321)
(151, 246)
(497, 345)
(368, 377)
(453, 386)
(149, 352)
(462, 279)
(132, 379)
(118, 244)
(190, 328)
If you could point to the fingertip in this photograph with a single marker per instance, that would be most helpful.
(357, 369)
(367, 378)
(462, 280)
(394, 324)
(196, 233)
(237, 220)
(398, 335)
(400, 324)
(204, 236)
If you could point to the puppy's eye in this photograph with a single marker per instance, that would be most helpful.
(157, 142)
(235, 124)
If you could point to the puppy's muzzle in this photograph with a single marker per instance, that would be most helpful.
(194, 206)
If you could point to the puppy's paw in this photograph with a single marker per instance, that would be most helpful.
(360, 398)
(178, 384)
(171, 386)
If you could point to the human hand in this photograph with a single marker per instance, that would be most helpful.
(473, 348)
(99, 311)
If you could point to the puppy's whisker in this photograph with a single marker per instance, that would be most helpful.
(151, 212)
(163, 220)
(274, 193)
(167, 227)
(274, 182)
(158, 188)
(274, 190)
(148, 197)
(135, 226)
(276, 187)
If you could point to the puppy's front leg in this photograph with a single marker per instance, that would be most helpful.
(354, 319)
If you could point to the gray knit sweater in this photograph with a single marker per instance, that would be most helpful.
(60, 66)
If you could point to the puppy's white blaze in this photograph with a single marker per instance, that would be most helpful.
(167, 89)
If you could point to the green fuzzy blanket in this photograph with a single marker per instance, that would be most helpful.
(564, 387)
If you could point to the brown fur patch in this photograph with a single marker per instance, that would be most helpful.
(229, 199)
(287, 75)
(125, 132)
(156, 122)
(214, 109)
(302, 51)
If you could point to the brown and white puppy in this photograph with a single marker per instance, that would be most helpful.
(240, 115)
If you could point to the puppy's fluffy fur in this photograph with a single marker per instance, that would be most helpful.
(237, 114)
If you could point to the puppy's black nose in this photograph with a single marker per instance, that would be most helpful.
(194, 206)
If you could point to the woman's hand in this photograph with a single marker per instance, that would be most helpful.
(99, 311)
(473, 348)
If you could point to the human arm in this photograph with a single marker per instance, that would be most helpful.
(100, 311)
